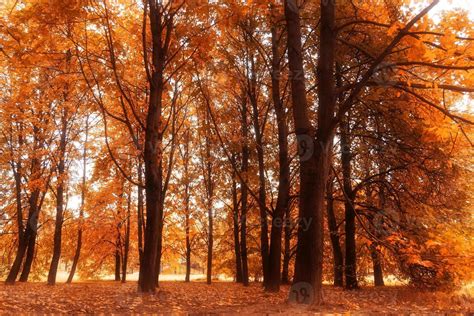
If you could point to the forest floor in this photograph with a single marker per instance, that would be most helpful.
(220, 298)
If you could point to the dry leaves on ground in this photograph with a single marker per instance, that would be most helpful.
(219, 298)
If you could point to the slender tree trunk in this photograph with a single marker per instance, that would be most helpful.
(61, 172)
(30, 253)
(374, 250)
(20, 254)
(235, 218)
(252, 93)
(188, 248)
(350, 269)
(210, 243)
(22, 238)
(32, 228)
(188, 236)
(29, 230)
(334, 236)
(187, 210)
(264, 251)
(140, 211)
(117, 263)
(53, 270)
(208, 178)
(285, 278)
(126, 247)
(244, 196)
(274, 276)
(18, 173)
(77, 253)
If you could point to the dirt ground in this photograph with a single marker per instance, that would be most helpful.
(220, 298)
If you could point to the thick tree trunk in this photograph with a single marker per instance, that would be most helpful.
(149, 267)
(314, 155)
(304, 265)
(334, 236)
(377, 265)
(159, 250)
(274, 275)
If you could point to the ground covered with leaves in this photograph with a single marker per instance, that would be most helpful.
(219, 298)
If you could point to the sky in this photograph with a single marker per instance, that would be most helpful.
(454, 4)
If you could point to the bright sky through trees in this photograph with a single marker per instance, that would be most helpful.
(235, 156)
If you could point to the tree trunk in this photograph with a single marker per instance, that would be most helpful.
(31, 230)
(210, 194)
(126, 247)
(314, 155)
(274, 275)
(285, 278)
(30, 253)
(244, 196)
(188, 237)
(22, 238)
(210, 243)
(335, 238)
(53, 270)
(375, 224)
(20, 254)
(188, 250)
(262, 199)
(304, 264)
(187, 211)
(61, 171)
(153, 153)
(159, 250)
(117, 263)
(140, 211)
(377, 265)
(350, 269)
(235, 218)
(81, 211)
